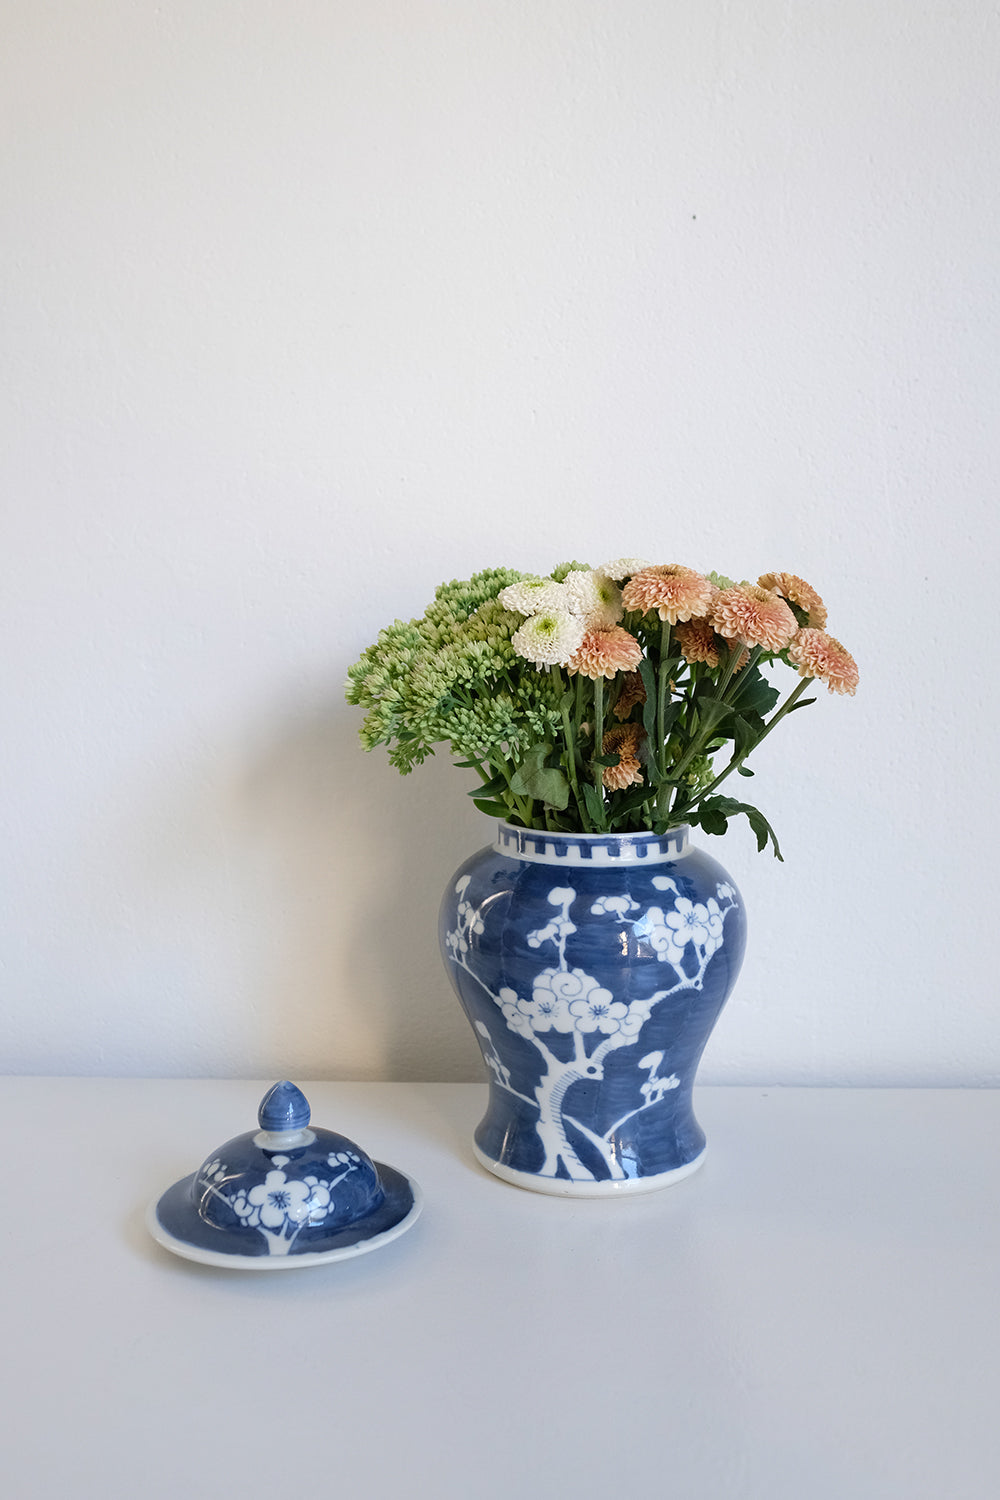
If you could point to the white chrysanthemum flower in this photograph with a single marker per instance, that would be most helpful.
(549, 639)
(533, 596)
(595, 596)
(623, 567)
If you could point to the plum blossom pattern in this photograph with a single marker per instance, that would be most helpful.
(594, 1012)
(558, 929)
(655, 1086)
(570, 1000)
(493, 1060)
(470, 923)
(616, 906)
(281, 1206)
(575, 1022)
(694, 924)
(279, 1199)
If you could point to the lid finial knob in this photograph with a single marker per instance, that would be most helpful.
(284, 1107)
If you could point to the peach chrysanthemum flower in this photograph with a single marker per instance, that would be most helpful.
(797, 591)
(818, 655)
(675, 592)
(632, 692)
(696, 639)
(624, 742)
(755, 616)
(603, 653)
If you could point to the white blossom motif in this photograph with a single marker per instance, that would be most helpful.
(470, 924)
(614, 906)
(567, 1002)
(689, 923)
(492, 1057)
(274, 1201)
(656, 1086)
(578, 991)
(556, 931)
(281, 1206)
(559, 928)
(545, 1011)
(597, 1011)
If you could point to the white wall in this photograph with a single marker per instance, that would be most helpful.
(309, 306)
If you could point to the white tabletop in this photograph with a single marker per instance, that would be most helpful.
(812, 1315)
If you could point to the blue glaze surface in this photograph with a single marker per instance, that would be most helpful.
(593, 969)
(284, 1107)
(286, 1190)
(177, 1213)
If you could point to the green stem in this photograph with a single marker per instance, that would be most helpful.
(599, 742)
(525, 809)
(703, 737)
(523, 806)
(662, 691)
(738, 760)
(569, 731)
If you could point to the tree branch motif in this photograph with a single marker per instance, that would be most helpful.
(565, 1000)
(280, 1207)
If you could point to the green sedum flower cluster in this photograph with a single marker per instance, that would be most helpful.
(453, 678)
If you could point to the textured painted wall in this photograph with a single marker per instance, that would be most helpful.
(310, 306)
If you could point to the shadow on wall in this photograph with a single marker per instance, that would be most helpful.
(355, 859)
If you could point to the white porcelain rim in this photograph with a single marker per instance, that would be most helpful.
(656, 849)
(280, 1262)
(564, 1187)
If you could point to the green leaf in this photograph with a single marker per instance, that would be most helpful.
(542, 783)
(748, 731)
(491, 809)
(715, 808)
(647, 759)
(623, 804)
(492, 788)
(711, 712)
(764, 832)
(711, 820)
(649, 707)
(670, 713)
(595, 803)
(548, 785)
(754, 693)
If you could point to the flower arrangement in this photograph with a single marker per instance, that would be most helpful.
(612, 699)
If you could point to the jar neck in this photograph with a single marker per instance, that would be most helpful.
(592, 849)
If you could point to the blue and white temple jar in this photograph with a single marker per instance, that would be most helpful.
(593, 968)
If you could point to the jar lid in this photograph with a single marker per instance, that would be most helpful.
(288, 1194)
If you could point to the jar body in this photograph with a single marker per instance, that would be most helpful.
(592, 968)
